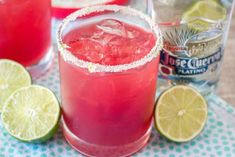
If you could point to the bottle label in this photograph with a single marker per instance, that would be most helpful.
(191, 53)
(189, 66)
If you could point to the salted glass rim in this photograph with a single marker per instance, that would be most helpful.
(96, 67)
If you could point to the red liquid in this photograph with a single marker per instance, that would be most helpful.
(108, 109)
(25, 28)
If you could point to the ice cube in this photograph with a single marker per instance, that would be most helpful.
(148, 40)
(113, 27)
(95, 57)
(115, 42)
(103, 39)
(132, 34)
(138, 51)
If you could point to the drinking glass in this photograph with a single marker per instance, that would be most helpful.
(107, 108)
(25, 33)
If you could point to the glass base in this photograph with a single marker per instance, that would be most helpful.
(93, 150)
(43, 65)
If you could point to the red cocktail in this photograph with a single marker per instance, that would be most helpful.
(108, 68)
(25, 30)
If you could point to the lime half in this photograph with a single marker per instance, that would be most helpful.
(180, 114)
(31, 114)
(12, 77)
(202, 14)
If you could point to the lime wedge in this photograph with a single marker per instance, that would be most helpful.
(180, 114)
(12, 77)
(31, 114)
(202, 14)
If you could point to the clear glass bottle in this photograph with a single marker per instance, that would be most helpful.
(25, 34)
(195, 34)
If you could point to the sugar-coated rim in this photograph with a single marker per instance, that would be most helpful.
(95, 67)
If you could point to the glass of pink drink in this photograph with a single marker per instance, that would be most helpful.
(25, 33)
(108, 67)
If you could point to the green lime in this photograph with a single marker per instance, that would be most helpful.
(202, 14)
(180, 113)
(31, 114)
(12, 77)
